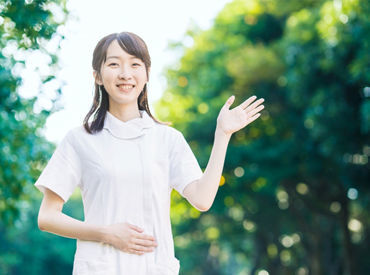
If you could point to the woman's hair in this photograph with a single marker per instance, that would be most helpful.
(133, 45)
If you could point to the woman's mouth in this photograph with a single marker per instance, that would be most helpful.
(125, 88)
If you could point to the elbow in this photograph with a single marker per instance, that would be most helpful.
(42, 221)
(203, 207)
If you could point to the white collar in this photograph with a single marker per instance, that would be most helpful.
(132, 128)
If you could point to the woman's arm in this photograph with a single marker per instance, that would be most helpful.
(202, 192)
(51, 219)
(123, 236)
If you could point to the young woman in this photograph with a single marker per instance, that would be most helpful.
(126, 164)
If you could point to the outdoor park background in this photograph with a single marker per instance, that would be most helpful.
(294, 196)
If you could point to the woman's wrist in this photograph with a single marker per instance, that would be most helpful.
(104, 235)
(221, 134)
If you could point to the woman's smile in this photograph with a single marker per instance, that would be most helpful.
(125, 88)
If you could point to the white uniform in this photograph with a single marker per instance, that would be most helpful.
(126, 173)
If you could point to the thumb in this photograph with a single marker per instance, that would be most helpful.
(229, 102)
(136, 228)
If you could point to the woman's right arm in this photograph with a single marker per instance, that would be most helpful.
(51, 219)
(123, 236)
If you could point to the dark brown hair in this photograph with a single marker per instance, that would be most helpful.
(133, 45)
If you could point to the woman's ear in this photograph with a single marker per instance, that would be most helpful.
(97, 78)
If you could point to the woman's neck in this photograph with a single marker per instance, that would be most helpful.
(125, 114)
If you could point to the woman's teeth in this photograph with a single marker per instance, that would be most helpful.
(125, 87)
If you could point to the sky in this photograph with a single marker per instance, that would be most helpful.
(157, 22)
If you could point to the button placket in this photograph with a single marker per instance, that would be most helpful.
(147, 153)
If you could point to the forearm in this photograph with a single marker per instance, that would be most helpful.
(206, 187)
(60, 224)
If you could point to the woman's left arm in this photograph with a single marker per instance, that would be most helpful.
(201, 193)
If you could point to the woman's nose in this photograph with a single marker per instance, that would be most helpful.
(125, 74)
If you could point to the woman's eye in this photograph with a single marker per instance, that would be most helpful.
(136, 64)
(112, 64)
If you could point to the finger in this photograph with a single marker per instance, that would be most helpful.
(247, 102)
(254, 111)
(254, 105)
(143, 236)
(146, 243)
(141, 248)
(136, 252)
(136, 228)
(229, 102)
(253, 118)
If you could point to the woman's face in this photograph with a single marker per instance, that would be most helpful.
(123, 77)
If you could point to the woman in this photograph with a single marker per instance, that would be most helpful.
(126, 164)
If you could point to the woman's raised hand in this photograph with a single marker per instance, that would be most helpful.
(129, 238)
(230, 121)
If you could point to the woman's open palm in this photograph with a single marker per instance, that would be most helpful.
(230, 121)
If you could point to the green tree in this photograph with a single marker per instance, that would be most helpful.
(294, 194)
(27, 28)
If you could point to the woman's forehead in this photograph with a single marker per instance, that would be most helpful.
(115, 51)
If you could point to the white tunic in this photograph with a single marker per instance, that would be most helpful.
(126, 173)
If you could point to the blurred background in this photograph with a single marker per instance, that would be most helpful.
(294, 197)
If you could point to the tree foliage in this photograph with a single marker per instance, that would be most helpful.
(28, 29)
(30, 38)
(294, 196)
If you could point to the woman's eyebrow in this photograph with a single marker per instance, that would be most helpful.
(114, 56)
(111, 57)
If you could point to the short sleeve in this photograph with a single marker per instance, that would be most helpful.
(63, 171)
(184, 167)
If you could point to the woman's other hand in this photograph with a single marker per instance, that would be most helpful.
(230, 121)
(129, 238)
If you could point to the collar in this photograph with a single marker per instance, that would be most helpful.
(132, 128)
